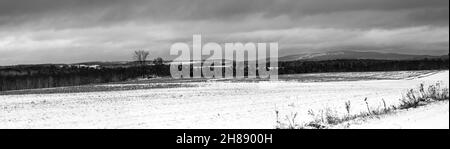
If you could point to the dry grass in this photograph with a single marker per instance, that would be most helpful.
(328, 117)
(422, 96)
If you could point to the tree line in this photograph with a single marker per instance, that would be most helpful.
(46, 76)
(352, 65)
(52, 76)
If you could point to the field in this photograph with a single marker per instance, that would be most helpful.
(167, 103)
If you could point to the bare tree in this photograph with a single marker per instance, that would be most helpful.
(158, 61)
(140, 56)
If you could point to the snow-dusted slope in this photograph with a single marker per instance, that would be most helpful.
(353, 55)
(211, 105)
(435, 115)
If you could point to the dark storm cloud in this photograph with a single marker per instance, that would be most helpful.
(67, 13)
(216, 8)
(65, 31)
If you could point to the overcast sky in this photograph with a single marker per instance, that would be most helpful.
(67, 31)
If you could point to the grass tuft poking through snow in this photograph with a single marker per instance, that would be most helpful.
(328, 117)
(423, 96)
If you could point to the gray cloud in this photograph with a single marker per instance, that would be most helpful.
(69, 13)
(40, 31)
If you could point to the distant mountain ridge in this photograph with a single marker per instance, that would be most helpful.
(295, 57)
(355, 55)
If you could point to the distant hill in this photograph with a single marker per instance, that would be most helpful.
(354, 55)
(444, 57)
(103, 63)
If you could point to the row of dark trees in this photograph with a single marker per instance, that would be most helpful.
(296, 67)
(46, 76)
(31, 77)
(347, 65)
(52, 76)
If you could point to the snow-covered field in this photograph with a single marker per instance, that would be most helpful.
(250, 105)
(435, 115)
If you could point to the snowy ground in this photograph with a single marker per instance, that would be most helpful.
(232, 105)
(435, 115)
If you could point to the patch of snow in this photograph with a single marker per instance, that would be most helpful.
(211, 105)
